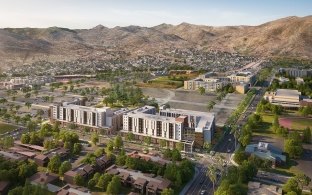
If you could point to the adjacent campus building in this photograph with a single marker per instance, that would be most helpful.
(211, 82)
(191, 128)
(95, 118)
(295, 72)
(287, 98)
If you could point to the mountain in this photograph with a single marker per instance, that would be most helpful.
(291, 37)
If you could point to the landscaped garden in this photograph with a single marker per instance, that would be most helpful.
(4, 127)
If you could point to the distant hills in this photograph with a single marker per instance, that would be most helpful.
(291, 37)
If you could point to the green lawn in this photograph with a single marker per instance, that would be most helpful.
(266, 124)
(6, 127)
(301, 123)
(162, 82)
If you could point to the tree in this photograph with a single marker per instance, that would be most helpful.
(104, 181)
(25, 138)
(118, 143)
(292, 186)
(35, 139)
(54, 164)
(167, 191)
(240, 156)
(3, 100)
(302, 180)
(31, 125)
(210, 105)
(27, 95)
(236, 132)
(65, 166)
(109, 147)
(114, 186)
(91, 184)
(162, 143)
(307, 135)
(77, 148)
(78, 180)
(276, 124)
(179, 146)
(148, 140)
(201, 90)
(94, 138)
(176, 155)
(7, 142)
(293, 145)
(212, 174)
(130, 137)
(28, 104)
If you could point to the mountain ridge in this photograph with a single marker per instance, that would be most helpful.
(290, 36)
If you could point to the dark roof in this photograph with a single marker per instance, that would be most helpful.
(153, 185)
(43, 178)
(71, 173)
(124, 175)
(140, 181)
(112, 171)
(41, 157)
(88, 168)
(67, 190)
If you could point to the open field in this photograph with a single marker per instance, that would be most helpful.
(6, 127)
(295, 123)
(93, 83)
(162, 82)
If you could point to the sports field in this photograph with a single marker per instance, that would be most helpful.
(6, 127)
(295, 123)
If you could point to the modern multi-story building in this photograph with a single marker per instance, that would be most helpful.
(74, 112)
(295, 72)
(284, 97)
(191, 128)
(19, 82)
(209, 84)
(242, 77)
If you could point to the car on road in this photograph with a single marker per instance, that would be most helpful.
(203, 192)
(212, 153)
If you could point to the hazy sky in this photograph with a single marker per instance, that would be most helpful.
(110, 13)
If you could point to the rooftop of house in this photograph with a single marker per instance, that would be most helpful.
(43, 178)
(158, 181)
(257, 188)
(265, 151)
(73, 190)
(35, 147)
(12, 155)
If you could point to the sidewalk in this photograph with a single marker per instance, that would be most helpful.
(232, 161)
(190, 183)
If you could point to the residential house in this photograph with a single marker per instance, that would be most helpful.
(84, 170)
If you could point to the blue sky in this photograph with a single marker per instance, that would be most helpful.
(110, 13)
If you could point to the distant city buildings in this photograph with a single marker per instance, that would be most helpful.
(294, 72)
(172, 125)
(20, 82)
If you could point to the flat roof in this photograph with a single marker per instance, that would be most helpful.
(35, 147)
(287, 92)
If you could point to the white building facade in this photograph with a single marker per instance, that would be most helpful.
(171, 125)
